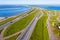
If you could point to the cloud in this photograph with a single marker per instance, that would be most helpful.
(45, 2)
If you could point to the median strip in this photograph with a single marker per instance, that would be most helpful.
(19, 25)
(40, 31)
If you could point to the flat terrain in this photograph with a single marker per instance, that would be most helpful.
(12, 18)
(40, 32)
(43, 30)
(7, 20)
(19, 25)
(12, 38)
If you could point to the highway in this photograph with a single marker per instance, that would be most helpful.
(13, 21)
(21, 16)
(4, 26)
(25, 35)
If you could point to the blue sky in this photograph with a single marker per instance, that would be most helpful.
(44, 2)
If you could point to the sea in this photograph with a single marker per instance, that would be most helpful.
(11, 10)
(48, 7)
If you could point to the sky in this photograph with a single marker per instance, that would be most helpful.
(39, 2)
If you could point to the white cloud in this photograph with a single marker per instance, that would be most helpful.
(48, 2)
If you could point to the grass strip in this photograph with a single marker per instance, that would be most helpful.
(19, 25)
(45, 12)
(11, 18)
(12, 38)
(40, 32)
(5, 21)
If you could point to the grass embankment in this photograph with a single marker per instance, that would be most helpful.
(40, 32)
(0, 31)
(12, 38)
(11, 18)
(53, 12)
(5, 21)
(19, 25)
(45, 12)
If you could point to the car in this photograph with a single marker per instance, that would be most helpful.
(11, 22)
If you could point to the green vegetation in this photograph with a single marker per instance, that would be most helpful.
(11, 18)
(53, 19)
(5, 21)
(45, 12)
(53, 12)
(40, 32)
(12, 38)
(55, 26)
(53, 22)
(19, 25)
(0, 31)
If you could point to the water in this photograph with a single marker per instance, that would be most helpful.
(48, 7)
(10, 10)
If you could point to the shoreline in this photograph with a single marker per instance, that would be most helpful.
(2, 18)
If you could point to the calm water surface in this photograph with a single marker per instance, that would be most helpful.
(10, 10)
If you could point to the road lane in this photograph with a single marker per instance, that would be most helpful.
(25, 35)
(3, 26)
(11, 22)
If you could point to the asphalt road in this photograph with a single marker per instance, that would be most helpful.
(11, 22)
(25, 35)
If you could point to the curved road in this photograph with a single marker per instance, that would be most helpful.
(25, 35)
(11, 22)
